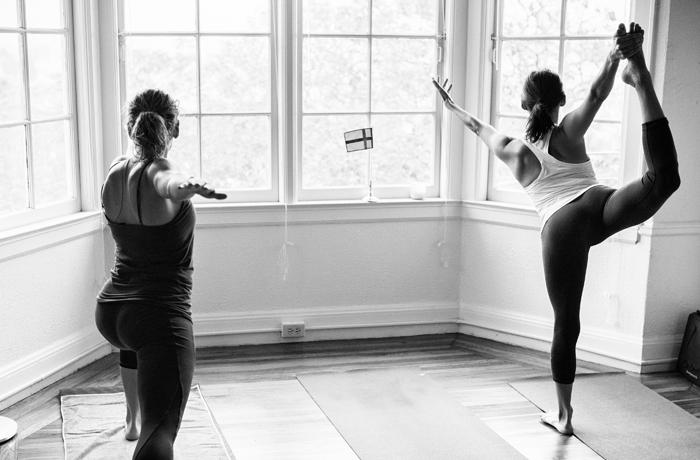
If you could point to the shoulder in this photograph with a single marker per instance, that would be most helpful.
(518, 148)
(563, 141)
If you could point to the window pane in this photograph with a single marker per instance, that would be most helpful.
(13, 170)
(8, 13)
(531, 17)
(48, 82)
(235, 74)
(603, 137)
(583, 60)
(336, 74)
(44, 14)
(336, 17)
(514, 127)
(236, 152)
(607, 169)
(325, 163)
(11, 92)
(404, 150)
(595, 17)
(404, 17)
(401, 74)
(166, 63)
(234, 16)
(518, 59)
(50, 152)
(159, 15)
(185, 149)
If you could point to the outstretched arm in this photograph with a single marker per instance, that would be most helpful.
(494, 139)
(176, 186)
(576, 123)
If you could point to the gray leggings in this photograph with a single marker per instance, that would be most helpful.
(591, 218)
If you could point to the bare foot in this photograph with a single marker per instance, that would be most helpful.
(635, 72)
(561, 424)
(131, 429)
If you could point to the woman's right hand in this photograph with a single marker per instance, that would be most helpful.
(198, 186)
(444, 91)
(627, 43)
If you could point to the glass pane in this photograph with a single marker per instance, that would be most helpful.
(325, 163)
(8, 13)
(595, 17)
(607, 169)
(604, 138)
(51, 161)
(336, 75)
(48, 82)
(401, 72)
(234, 16)
(13, 170)
(583, 60)
(165, 63)
(531, 17)
(236, 152)
(336, 17)
(159, 15)
(184, 152)
(11, 91)
(404, 150)
(514, 127)
(405, 17)
(518, 59)
(235, 74)
(46, 14)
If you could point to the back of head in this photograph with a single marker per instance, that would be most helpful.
(542, 92)
(152, 123)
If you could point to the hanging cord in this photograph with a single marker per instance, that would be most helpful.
(283, 258)
(443, 245)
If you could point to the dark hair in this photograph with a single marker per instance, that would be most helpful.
(152, 123)
(542, 92)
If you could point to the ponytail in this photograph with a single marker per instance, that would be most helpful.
(538, 123)
(150, 135)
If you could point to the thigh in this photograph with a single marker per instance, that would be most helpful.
(627, 206)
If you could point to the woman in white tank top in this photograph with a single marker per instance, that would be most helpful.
(576, 211)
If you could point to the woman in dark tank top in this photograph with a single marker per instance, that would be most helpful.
(144, 307)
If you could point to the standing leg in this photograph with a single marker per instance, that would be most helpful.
(129, 371)
(637, 201)
(565, 258)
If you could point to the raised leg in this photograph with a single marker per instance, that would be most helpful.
(639, 200)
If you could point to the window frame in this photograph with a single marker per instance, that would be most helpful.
(236, 195)
(353, 192)
(32, 214)
(631, 163)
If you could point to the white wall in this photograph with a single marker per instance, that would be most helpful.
(48, 299)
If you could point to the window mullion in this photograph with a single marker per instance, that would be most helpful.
(199, 89)
(562, 33)
(27, 105)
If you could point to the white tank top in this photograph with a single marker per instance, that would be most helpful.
(559, 183)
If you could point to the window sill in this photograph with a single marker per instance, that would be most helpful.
(22, 240)
(330, 212)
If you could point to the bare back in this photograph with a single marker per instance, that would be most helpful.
(128, 188)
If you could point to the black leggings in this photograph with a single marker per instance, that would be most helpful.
(162, 343)
(594, 216)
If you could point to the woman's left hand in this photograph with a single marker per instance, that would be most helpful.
(444, 91)
(199, 187)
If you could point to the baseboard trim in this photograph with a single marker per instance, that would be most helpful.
(595, 345)
(336, 323)
(33, 372)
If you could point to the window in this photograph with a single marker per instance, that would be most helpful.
(267, 83)
(368, 63)
(38, 154)
(572, 38)
(216, 58)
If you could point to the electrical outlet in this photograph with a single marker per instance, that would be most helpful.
(293, 330)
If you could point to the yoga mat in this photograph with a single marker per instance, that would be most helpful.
(402, 414)
(93, 428)
(619, 418)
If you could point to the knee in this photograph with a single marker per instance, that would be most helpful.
(665, 182)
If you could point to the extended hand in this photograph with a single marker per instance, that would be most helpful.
(627, 44)
(444, 91)
(199, 187)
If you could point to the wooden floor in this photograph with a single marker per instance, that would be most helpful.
(475, 371)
